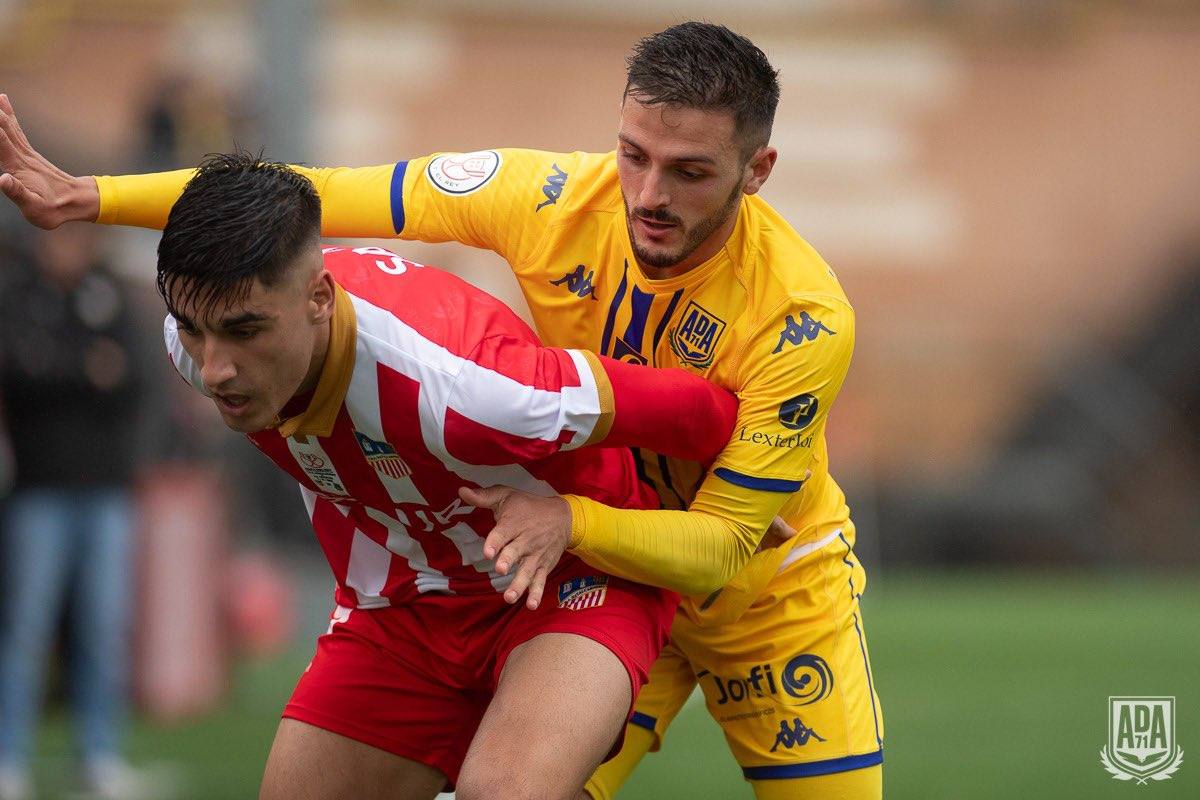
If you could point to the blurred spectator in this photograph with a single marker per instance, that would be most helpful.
(70, 379)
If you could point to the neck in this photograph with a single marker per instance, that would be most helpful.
(320, 353)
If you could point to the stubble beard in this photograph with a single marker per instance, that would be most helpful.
(693, 238)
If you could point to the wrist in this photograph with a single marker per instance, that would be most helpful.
(576, 521)
(81, 200)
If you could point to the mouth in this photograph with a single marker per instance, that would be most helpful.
(653, 229)
(233, 405)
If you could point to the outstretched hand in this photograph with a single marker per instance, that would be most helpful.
(43, 193)
(530, 536)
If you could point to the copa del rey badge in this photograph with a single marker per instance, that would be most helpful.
(1141, 739)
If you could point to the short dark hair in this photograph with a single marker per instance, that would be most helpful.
(706, 66)
(240, 218)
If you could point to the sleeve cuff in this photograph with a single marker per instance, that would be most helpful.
(107, 188)
(578, 520)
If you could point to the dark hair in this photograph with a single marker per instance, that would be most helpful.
(240, 218)
(706, 66)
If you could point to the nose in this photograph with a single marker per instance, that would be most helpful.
(216, 367)
(654, 192)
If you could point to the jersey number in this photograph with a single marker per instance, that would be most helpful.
(394, 265)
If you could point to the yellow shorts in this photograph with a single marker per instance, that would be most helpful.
(789, 682)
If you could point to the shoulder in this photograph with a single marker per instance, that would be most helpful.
(781, 271)
(394, 296)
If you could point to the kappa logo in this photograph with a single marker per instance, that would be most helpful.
(695, 339)
(797, 333)
(578, 283)
(382, 456)
(1141, 739)
(463, 173)
(553, 189)
(580, 593)
(795, 736)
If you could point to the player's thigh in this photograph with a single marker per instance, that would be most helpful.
(310, 763)
(790, 682)
(671, 683)
(558, 709)
(858, 784)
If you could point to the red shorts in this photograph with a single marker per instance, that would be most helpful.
(415, 680)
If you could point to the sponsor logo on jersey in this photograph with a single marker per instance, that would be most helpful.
(797, 333)
(463, 173)
(578, 283)
(382, 456)
(805, 678)
(797, 413)
(695, 338)
(797, 734)
(553, 189)
(580, 593)
(1141, 739)
(774, 439)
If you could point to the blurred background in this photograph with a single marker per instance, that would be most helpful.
(1007, 189)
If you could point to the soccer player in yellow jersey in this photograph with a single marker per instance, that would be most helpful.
(661, 253)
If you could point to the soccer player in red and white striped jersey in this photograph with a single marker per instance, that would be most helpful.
(394, 394)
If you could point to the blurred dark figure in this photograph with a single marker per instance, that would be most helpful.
(70, 382)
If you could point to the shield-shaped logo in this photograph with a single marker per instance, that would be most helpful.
(695, 338)
(1141, 739)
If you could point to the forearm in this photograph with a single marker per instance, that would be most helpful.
(355, 202)
(693, 552)
(668, 411)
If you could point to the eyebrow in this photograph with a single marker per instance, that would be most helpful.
(680, 159)
(230, 322)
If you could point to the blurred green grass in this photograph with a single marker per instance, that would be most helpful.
(994, 685)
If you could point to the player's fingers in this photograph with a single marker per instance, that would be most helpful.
(6, 104)
(525, 574)
(14, 190)
(510, 554)
(489, 497)
(498, 539)
(538, 585)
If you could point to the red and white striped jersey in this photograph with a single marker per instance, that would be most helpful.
(429, 385)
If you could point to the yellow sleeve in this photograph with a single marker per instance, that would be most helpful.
(792, 369)
(354, 202)
(693, 552)
(501, 200)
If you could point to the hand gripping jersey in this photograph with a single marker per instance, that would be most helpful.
(429, 385)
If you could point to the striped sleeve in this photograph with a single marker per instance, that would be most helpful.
(514, 400)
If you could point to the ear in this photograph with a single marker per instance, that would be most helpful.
(321, 297)
(758, 169)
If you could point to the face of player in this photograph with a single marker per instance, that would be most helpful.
(682, 174)
(259, 353)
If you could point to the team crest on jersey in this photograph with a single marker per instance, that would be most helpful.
(580, 593)
(382, 456)
(695, 338)
(462, 173)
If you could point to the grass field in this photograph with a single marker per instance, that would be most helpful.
(993, 686)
